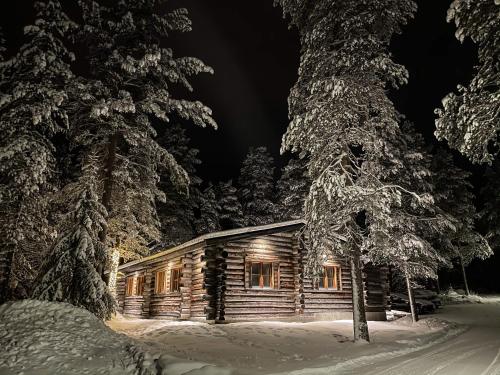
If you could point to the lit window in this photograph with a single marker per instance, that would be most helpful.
(161, 282)
(135, 286)
(330, 278)
(129, 291)
(261, 275)
(175, 280)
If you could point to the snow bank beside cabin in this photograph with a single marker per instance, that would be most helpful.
(39, 337)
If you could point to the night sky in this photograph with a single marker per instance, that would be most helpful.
(255, 57)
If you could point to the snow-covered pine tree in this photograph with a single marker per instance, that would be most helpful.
(454, 196)
(32, 102)
(470, 119)
(231, 211)
(209, 211)
(402, 237)
(256, 187)
(343, 120)
(490, 198)
(2, 46)
(127, 96)
(70, 273)
(292, 189)
(177, 214)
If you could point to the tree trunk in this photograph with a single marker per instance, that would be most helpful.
(411, 299)
(464, 275)
(6, 259)
(109, 168)
(113, 271)
(438, 286)
(358, 299)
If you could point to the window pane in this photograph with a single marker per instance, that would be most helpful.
(266, 281)
(329, 271)
(130, 285)
(266, 269)
(160, 282)
(139, 286)
(255, 280)
(255, 275)
(175, 280)
(255, 269)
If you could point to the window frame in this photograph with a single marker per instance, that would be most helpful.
(136, 287)
(323, 283)
(161, 289)
(129, 286)
(261, 275)
(178, 281)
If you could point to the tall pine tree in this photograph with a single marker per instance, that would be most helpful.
(256, 187)
(454, 196)
(292, 189)
(127, 95)
(470, 120)
(209, 208)
(403, 236)
(343, 120)
(71, 271)
(230, 209)
(177, 213)
(490, 212)
(32, 113)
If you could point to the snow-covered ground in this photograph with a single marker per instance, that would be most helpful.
(53, 338)
(46, 338)
(279, 347)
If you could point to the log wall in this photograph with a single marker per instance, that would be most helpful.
(240, 300)
(166, 305)
(120, 292)
(324, 302)
(215, 283)
(199, 296)
(376, 288)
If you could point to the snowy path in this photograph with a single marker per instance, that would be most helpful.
(474, 352)
(471, 349)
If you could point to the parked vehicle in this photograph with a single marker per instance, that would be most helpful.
(428, 295)
(400, 301)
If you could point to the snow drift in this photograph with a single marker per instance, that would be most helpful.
(39, 337)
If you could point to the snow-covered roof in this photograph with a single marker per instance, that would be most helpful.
(214, 235)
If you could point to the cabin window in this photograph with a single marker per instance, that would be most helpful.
(175, 280)
(135, 286)
(161, 282)
(261, 275)
(330, 278)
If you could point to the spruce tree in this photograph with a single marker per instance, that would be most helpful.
(470, 119)
(403, 236)
(126, 97)
(209, 211)
(256, 187)
(231, 211)
(490, 212)
(454, 195)
(177, 213)
(71, 271)
(343, 120)
(292, 189)
(32, 112)
(2, 46)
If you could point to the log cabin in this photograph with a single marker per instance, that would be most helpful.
(245, 274)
